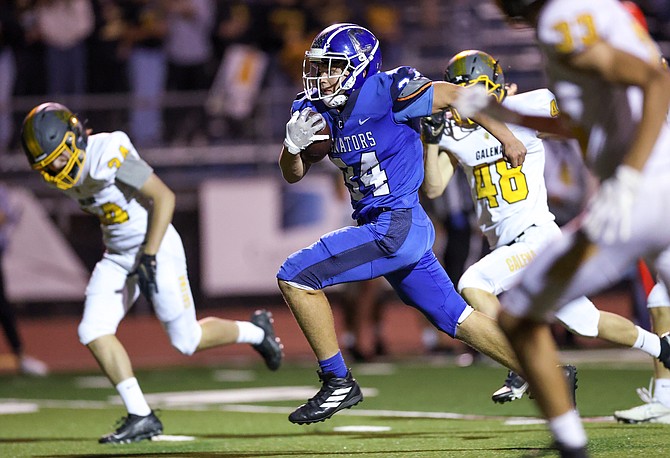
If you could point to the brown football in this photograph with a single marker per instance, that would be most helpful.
(318, 149)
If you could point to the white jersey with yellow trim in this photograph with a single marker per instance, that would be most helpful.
(507, 200)
(122, 219)
(603, 111)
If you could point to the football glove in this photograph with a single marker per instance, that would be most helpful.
(609, 213)
(432, 128)
(146, 275)
(300, 129)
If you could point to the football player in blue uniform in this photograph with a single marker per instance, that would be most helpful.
(374, 118)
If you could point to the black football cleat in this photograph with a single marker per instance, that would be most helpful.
(664, 357)
(271, 348)
(336, 393)
(134, 429)
(567, 452)
(514, 388)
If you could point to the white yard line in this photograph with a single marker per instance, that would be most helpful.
(235, 401)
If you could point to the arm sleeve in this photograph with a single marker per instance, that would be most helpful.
(134, 172)
(540, 102)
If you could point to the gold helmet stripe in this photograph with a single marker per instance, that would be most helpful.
(459, 63)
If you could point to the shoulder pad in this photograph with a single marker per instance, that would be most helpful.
(407, 83)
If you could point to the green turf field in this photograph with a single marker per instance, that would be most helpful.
(411, 409)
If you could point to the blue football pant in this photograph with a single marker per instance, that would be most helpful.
(398, 246)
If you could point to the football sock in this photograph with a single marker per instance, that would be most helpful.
(132, 397)
(648, 342)
(568, 429)
(249, 333)
(334, 364)
(662, 391)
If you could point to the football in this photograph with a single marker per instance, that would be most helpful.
(318, 149)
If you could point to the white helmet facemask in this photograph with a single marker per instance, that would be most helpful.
(322, 65)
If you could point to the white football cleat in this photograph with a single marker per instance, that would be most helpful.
(652, 411)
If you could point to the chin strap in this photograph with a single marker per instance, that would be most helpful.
(335, 100)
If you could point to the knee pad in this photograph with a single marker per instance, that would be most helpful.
(473, 279)
(184, 332)
(658, 297)
(580, 317)
(88, 331)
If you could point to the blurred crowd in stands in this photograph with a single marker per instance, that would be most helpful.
(221, 53)
(144, 48)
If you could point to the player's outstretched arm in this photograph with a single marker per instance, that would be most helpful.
(473, 102)
(447, 94)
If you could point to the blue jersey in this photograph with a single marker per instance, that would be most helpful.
(377, 142)
(377, 146)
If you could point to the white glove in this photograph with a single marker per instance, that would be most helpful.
(300, 129)
(609, 213)
(471, 101)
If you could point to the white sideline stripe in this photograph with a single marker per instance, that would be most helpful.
(234, 375)
(11, 408)
(372, 413)
(539, 421)
(205, 404)
(407, 414)
(169, 438)
(59, 404)
(525, 421)
(263, 394)
(361, 429)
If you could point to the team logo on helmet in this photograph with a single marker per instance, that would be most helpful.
(358, 46)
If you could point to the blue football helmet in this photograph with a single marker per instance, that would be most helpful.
(49, 130)
(348, 53)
